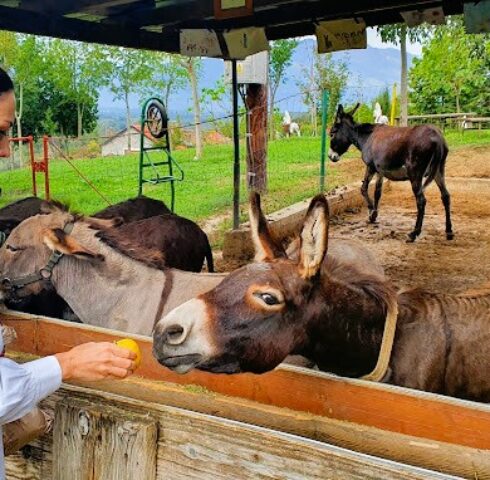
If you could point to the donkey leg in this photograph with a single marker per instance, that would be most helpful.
(418, 191)
(446, 200)
(365, 186)
(377, 196)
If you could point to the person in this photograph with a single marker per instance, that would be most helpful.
(22, 386)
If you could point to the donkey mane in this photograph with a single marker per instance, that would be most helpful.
(129, 247)
(365, 128)
(374, 287)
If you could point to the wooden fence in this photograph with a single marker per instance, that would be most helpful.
(290, 423)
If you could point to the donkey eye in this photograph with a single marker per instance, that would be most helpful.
(268, 298)
(13, 249)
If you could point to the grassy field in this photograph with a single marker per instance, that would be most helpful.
(293, 168)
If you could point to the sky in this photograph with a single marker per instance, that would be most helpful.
(374, 40)
(106, 99)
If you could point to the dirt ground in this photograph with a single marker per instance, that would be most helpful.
(433, 262)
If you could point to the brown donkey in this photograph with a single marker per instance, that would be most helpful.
(399, 154)
(332, 313)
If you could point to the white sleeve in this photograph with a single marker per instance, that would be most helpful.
(23, 386)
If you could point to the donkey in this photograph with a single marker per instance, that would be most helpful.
(399, 154)
(333, 313)
(175, 242)
(102, 285)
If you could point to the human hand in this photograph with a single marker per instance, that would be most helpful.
(96, 361)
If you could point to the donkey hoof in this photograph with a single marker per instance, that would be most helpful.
(411, 237)
(450, 235)
(373, 216)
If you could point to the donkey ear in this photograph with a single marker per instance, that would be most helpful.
(314, 237)
(57, 240)
(340, 110)
(354, 110)
(266, 248)
(104, 223)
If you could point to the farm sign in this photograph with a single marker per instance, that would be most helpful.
(341, 35)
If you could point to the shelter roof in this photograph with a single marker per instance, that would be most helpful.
(156, 24)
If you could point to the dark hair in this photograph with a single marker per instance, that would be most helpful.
(5, 82)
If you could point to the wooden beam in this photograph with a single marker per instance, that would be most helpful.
(73, 29)
(411, 412)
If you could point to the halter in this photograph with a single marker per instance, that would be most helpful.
(44, 274)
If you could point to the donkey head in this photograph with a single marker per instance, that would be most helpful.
(29, 247)
(341, 133)
(258, 314)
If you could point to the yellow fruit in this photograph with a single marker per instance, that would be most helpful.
(130, 344)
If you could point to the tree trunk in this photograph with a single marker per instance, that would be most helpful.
(256, 101)
(272, 128)
(404, 78)
(79, 120)
(128, 120)
(18, 119)
(314, 117)
(197, 107)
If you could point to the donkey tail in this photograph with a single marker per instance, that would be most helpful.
(209, 256)
(437, 162)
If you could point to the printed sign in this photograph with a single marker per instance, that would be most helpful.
(245, 41)
(227, 4)
(433, 16)
(232, 8)
(199, 43)
(341, 35)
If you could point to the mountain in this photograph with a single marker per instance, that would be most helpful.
(371, 70)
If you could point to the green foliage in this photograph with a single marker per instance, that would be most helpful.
(280, 59)
(77, 71)
(167, 76)
(384, 100)
(393, 33)
(364, 114)
(453, 73)
(332, 76)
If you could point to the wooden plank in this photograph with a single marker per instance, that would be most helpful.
(193, 445)
(102, 442)
(385, 407)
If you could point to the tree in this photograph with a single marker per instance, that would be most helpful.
(280, 59)
(76, 69)
(398, 34)
(130, 73)
(193, 68)
(453, 73)
(21, 55)
(169, 75)
(323, 73)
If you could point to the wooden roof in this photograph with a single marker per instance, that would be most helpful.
(155, 24)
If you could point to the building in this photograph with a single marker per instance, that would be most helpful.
(118, 144)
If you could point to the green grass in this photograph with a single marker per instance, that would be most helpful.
(293, 168)
(206, 191)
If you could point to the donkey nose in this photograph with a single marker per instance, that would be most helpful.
(174, 334)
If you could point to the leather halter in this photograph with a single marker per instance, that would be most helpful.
(44, 274)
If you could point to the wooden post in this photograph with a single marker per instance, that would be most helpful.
(256, 102)
(100, 442)
(236, 148)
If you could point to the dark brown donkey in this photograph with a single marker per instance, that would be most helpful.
(397, 153)
(332, 313)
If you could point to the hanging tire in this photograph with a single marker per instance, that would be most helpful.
(156, 119)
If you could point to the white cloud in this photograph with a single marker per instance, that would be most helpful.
(374, 40)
